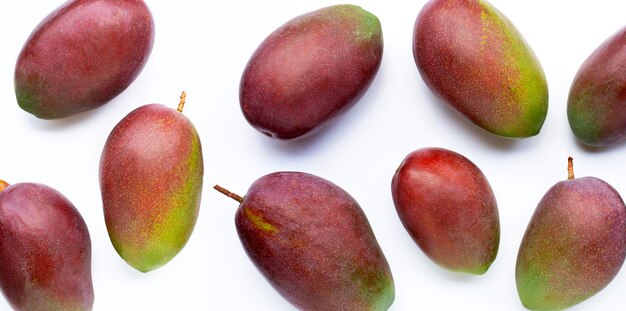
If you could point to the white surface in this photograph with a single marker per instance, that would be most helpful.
(203, 46)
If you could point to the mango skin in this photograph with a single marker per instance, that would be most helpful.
(82, 55)
(575, 244)
(311, 70)
(596, 107)
(473, 58)
(151, 173)
(448, 207)
(45, 250)
(313, 243)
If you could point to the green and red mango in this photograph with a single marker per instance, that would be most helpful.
(472, 57)
(575, 244)
(596, 108)
(151, 173)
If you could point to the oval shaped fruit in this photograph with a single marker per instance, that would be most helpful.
(596, 107)
(151, 173)
(575, 244)
(472, 57)
(313, 243)
(448, 207)
(311, 70)
(45, 250)
(82, 55)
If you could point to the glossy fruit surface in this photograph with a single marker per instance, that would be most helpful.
(82, 55)
(151, 173)
(449, 209)
(596, 108)
(472, 57)
(575, 244)
(45, 250)
(311, 70)
(313, 243)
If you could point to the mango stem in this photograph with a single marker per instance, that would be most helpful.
(229, 194)
(181, 104)
(570, 168)
(3, 185)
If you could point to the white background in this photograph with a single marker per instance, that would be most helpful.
(202, 47)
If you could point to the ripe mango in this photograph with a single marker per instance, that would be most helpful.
(151, 173)
(596, 107)
(575, 244)
(448, 207)
(313, 243)
(472, 57)
(45, 250)
(82, 55)
(311, 70)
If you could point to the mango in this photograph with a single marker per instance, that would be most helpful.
(311, 240)
(45, 250)
(448, 207)
(474, 59)
(151, 172)
(311, 70)
(82, 55)
(574, 246)
(596, 107)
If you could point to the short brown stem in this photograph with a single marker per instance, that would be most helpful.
(570, 168)
(3, 185)
(229, 194)
(181, 104)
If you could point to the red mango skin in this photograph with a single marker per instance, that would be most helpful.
(151, 173)
(575, 244)
(45, 250)
(473, 58)
(596, 107)
(313, 243)
(448, 207)
(311, 70)
(82, 55)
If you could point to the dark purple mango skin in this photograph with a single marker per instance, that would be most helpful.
(311, 70)
(575, 244)
(45, 250)
(448, 207)
(82, 55)
(312, 242)
(596, 107)
(473, 58)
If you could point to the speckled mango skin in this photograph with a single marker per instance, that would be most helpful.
(311, 70)
(151, 173)
(448, 207)
(313, 243)
(596, 107)
(82, 55)
(574, 245)
(45, 250)
(473, 58)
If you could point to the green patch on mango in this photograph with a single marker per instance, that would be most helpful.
(259, 222)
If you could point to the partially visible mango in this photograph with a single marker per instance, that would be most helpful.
(472, 57)
(596, 108)
(82, 55)
(311, 70)
(45, 250)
